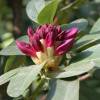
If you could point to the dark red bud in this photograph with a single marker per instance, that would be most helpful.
(25, 48)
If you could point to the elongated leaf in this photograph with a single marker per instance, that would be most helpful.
(97, 1)
(91, 54)
(81, 24)
(96, 28)
(88, 38)
(87, 41)
(21, 81)
(83, 46)
(83, 62)
(7, 76)
(64, 90)
(12, 49)
(72, 5)
(74, 69)
(33, 9)
(48, 12)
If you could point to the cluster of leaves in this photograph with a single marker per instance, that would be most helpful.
(86, 58)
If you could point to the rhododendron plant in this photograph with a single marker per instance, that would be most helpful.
(61, 55)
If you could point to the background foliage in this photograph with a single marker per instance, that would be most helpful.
(14, 22)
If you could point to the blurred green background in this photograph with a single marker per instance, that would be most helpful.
(14, 23)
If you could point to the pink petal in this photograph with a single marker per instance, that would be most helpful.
(64, 47)
(59, 30)
(61, 36)
(49, 41)
(41, 31)
(25, 48)
(36, 43)
(71, 33)
(30, 33)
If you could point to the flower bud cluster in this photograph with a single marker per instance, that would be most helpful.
(48, 42)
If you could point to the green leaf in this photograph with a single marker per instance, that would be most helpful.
(88, 38)
(96, 28)
(97, 1)
(64, 90)
(10, 64)
(21, 81)
(73, 69)
(87, 41)
(83, 62)
(72, 5)
(12, 49)
(48, 12)
(81, 24)
(90, 54)
(7, 76)
(83, 46)
(33, 9)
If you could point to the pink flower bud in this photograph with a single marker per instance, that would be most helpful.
(64, 47)
(30, 33)
(49, 41)
(71, 33)
(36, 43)
(25, 48)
